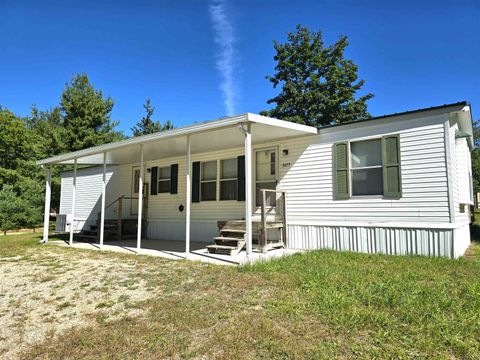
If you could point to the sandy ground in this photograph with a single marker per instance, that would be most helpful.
(47, 292)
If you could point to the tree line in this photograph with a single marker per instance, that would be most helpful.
(82, 119)
(317, 86)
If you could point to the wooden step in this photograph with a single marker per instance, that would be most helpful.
(240, 231)
(229, 241)
(226, 249)
(227, 238)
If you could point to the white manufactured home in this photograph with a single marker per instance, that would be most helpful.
(396, 184)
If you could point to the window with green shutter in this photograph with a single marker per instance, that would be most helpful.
(367, 167)
(341, 171)
(392, 177)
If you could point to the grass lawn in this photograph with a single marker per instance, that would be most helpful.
(320, 304)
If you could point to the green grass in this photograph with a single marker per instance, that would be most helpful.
(320, 304)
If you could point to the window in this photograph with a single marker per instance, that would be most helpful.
(266, 175)
(366, 167)
(164, 179)
(228, 179)
(208, 181)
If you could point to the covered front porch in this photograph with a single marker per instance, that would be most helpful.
(219, 136)
(175, 250)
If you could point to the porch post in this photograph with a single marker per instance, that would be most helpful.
(248, 188)
(188, 200)
(48, 194)
(74, 192)
(104, 183)
(140, 201)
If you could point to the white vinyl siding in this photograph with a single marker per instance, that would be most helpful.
(460, 169)
(306, 175)
(88, 195)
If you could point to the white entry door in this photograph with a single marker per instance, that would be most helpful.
(134, 192)
(266, 175)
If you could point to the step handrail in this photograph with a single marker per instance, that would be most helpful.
(113, 202)
(263, 234)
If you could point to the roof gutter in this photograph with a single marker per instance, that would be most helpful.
(188, 130)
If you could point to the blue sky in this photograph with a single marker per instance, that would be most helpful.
(412, 54)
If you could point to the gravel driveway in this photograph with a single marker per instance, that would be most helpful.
(47, 291)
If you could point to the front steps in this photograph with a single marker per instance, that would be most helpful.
(129, 231)
(231, 240)
(232, 237)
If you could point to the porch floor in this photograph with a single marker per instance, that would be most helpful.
(175, 250)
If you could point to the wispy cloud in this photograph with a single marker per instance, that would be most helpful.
(225, 39)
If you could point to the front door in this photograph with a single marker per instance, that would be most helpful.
(266, 175)
(134, 193)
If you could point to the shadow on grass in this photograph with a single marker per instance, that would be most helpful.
(59, 236)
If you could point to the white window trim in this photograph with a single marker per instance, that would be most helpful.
(220, 179)
(159, 180)
(209, 181)
(349, 157)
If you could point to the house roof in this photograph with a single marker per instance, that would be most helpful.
(205, 137)
(459, 112)
(222, 133)
(460, 104)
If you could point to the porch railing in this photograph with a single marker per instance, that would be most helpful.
(282, 200)
(119, 201)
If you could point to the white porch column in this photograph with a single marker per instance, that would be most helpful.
(140, 201)
(74, 191)
(248, 188)
(104, 185)
(48, 195)
(188, 200)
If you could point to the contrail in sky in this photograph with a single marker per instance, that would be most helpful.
(225, 40)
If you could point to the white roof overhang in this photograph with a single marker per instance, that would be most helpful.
(204, 137)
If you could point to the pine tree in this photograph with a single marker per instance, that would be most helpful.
(318, 85)
(86, 115)
(146, 125)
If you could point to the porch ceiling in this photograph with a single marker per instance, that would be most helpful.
(204, 137)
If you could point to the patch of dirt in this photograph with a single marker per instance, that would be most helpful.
(47, 292)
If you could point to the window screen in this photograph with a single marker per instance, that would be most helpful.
(366, 165)
(228, 179)
(164, 179)
(208, 181)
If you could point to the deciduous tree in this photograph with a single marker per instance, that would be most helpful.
(318, 84)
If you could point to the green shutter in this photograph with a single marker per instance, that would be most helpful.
(153, 180)
(392, 177)
(174, 179)
(241, 178)
(196, 182)
(341, 171)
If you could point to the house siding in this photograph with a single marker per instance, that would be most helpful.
(417, 223)
(306, 175)
(88, 194)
